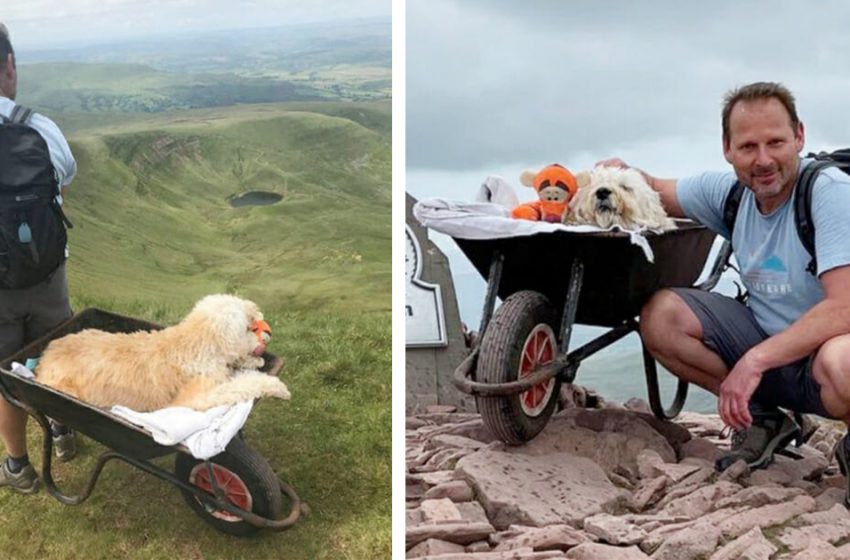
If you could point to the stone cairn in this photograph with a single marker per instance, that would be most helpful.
(611, 482)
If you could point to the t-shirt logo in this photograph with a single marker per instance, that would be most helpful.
(770, 278)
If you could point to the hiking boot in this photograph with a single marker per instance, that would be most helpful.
(25, 481)
(66, 446)
(756, 445)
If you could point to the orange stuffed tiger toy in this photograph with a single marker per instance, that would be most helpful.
(555, 186)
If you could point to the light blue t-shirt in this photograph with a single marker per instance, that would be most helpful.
(772, 258)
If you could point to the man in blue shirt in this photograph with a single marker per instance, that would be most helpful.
(29, 313)
(789, 345)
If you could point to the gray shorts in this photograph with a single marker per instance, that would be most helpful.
(729, 330)
(30, 313)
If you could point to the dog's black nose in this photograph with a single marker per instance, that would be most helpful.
(602, 194)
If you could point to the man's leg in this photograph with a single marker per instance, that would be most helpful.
(699, 336)
(674, 336)
(13, 420)
(831, 369)
(15, 470)
(13, 424)
(48, 307)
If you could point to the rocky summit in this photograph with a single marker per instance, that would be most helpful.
(615, 483)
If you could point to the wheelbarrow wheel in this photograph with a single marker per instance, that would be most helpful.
(520, 337)
(246, 479)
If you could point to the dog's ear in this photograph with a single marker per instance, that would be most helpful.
(583, 179)
(527, 178)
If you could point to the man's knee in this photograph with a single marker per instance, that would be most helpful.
(667, 314)
(833, 362)
(831, 369)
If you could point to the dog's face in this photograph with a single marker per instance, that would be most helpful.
(237, 323)
(610, 196)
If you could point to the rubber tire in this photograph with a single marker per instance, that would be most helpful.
(256, 474)
(498, 362)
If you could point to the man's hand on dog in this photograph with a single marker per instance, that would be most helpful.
(735, 393)
(612, 162)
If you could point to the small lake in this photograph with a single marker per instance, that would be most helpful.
(255, 198)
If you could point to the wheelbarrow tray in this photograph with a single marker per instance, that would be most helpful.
(618, 278)
(97, 423)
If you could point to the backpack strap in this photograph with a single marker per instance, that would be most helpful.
(730, 206)
(803, 208)
(20, 115)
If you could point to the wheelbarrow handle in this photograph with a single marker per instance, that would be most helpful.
(542, 374)
(562, 363)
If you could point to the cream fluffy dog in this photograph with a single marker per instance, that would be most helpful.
(210, 358)
(611, 196)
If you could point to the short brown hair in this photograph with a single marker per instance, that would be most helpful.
(759, 91)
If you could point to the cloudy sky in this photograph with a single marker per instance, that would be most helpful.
(496, 86)
(36, 24)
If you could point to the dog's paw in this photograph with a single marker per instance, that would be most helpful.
(271, 387)
(280, 391)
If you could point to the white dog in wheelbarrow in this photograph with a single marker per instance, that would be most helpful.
(209, 359)
(612, 196)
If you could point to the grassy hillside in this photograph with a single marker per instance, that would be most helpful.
(155, 232)
(155, 200)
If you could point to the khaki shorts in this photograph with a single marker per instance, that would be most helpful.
(29, 313)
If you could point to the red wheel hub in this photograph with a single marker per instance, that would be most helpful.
(539, 349)
(235, 490)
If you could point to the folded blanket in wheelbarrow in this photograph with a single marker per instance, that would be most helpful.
(204, 433)
(485, 220)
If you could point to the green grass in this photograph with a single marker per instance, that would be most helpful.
(154, 233)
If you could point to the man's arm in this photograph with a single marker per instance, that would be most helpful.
(826, 320)
(666, 188)
(60, 151)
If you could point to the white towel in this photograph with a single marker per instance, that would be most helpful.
(21, 370)
(497, 190)
(482, 220)
(205, 433)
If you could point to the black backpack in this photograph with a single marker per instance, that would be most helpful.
(32, 224)
(802, 199)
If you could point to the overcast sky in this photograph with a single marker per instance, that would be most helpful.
(495, 87)
(36, 24)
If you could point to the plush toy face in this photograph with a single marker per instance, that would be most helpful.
(554, 182)
(555, 186)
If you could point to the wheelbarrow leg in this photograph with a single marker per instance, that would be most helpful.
(568, 319)
(47, 456)
(464, 374)
(654, 392)
(493, 281)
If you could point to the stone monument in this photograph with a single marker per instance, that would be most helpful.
(435, 342)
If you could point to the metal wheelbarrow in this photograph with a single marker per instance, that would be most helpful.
(550, 281)
(236, 491)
